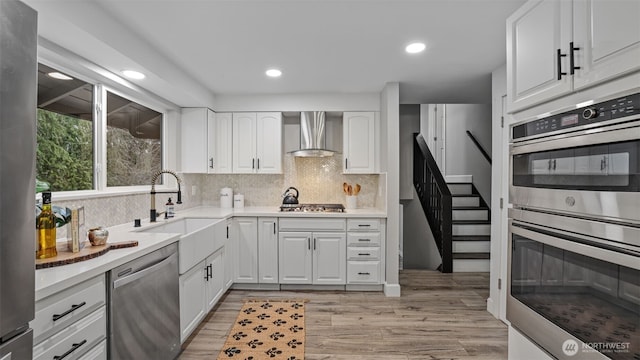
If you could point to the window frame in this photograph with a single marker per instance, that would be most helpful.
(102, 82)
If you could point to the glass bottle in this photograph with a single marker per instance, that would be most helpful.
(46, 229)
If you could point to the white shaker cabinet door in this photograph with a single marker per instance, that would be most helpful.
(192, 299)
(214, 273)
(295, 259)
(359, 143)
(538, 35)
(329, 258)
(268, 250)
(269, 143)
(607, 37)
(244, 144)
(220, 143)
(194, 139)
(246, 238)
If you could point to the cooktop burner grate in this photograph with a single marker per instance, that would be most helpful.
(312, 208)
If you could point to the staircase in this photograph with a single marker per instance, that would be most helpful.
(471, 229)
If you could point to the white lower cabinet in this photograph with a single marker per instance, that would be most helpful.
(229, 256)
(256, 250)
(192, 299)
(365, 249)
(214, 278)
(71, 322)
(312, 258)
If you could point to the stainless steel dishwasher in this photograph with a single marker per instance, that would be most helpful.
(144, 307)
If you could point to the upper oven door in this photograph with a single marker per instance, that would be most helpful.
(593, 172)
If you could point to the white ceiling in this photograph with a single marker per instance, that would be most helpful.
(195, 49)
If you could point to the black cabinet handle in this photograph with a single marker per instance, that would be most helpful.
(364, 225)
(274, 228)
(309, 243)
(364, 254)
(253, 163)
(57, 317)
(74, 347)
(364, 239)
(314, 243)
(227, 231)
(572, 60)
(211, 163)
(208, 272)
(364, 273)
(345, 163)
(258, 167)
(559, 59)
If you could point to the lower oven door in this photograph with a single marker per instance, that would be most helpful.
(576, 296)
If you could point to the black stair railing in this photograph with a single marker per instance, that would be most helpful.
(477, 143)
(435, 198)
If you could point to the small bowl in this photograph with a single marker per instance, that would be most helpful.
(98, 236)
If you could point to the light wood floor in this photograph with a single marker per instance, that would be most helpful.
(438, 316)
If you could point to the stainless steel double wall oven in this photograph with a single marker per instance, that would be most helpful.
(574, 230)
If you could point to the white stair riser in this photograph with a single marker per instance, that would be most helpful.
(465, 201)
(471, 247)
(479, 214)
(460, 188)
(471, 265)
(471, 229)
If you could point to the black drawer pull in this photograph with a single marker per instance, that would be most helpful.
(364, 239)
(364, 225)
(57, 317)
(74, 347)
(364, 254)
(364, 273)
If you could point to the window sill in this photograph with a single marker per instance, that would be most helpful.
(92, 194)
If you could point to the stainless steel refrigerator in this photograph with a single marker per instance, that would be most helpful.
(18, 88)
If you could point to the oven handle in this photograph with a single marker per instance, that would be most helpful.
(610, 134)
(580, 245)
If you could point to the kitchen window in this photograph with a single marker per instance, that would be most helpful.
(90, 138)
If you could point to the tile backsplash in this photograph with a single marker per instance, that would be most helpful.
(319, 180)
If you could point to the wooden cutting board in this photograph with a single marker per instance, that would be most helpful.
(88, 252)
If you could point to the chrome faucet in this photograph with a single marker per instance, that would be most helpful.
(153, 213)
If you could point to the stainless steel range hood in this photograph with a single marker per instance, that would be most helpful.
(312, 135)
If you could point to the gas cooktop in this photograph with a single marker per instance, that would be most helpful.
(312, 207)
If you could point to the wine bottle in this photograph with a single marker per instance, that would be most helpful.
(46, 229)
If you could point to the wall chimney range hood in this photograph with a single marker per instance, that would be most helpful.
(312, 135)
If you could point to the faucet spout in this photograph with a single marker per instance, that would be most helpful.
(153, 213)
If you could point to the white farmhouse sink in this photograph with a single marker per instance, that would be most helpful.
(198, 239)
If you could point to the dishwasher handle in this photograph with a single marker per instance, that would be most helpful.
(140, 273)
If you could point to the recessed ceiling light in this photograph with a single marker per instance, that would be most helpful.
(59, 76)
(132, 74)
(273, 73)
(415, 47)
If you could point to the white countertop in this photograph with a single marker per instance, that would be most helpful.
(52, 280)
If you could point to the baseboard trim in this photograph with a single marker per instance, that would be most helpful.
(391, 290)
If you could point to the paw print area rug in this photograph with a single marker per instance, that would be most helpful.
(267, 330)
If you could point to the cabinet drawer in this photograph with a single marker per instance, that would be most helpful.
(363, 253)
(76, 339)
(99, 352)
(363, 224)
(66, 307)
(311, 224)
(363, 239)
(363, 272)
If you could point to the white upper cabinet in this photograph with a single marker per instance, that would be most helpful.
(359, 143)
(537, 36)
(607, 34)
(557, 47)
(257, 143)
(206, 141)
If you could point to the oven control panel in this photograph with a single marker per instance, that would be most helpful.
(608, 110)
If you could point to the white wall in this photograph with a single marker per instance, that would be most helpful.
(462, 157)
(299, 102)
(390, 153)
(409, 124)
(496, 303)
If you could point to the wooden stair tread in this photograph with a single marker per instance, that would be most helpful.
(469, 208)
(471, 222)
(471, 238)
(471, 256)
